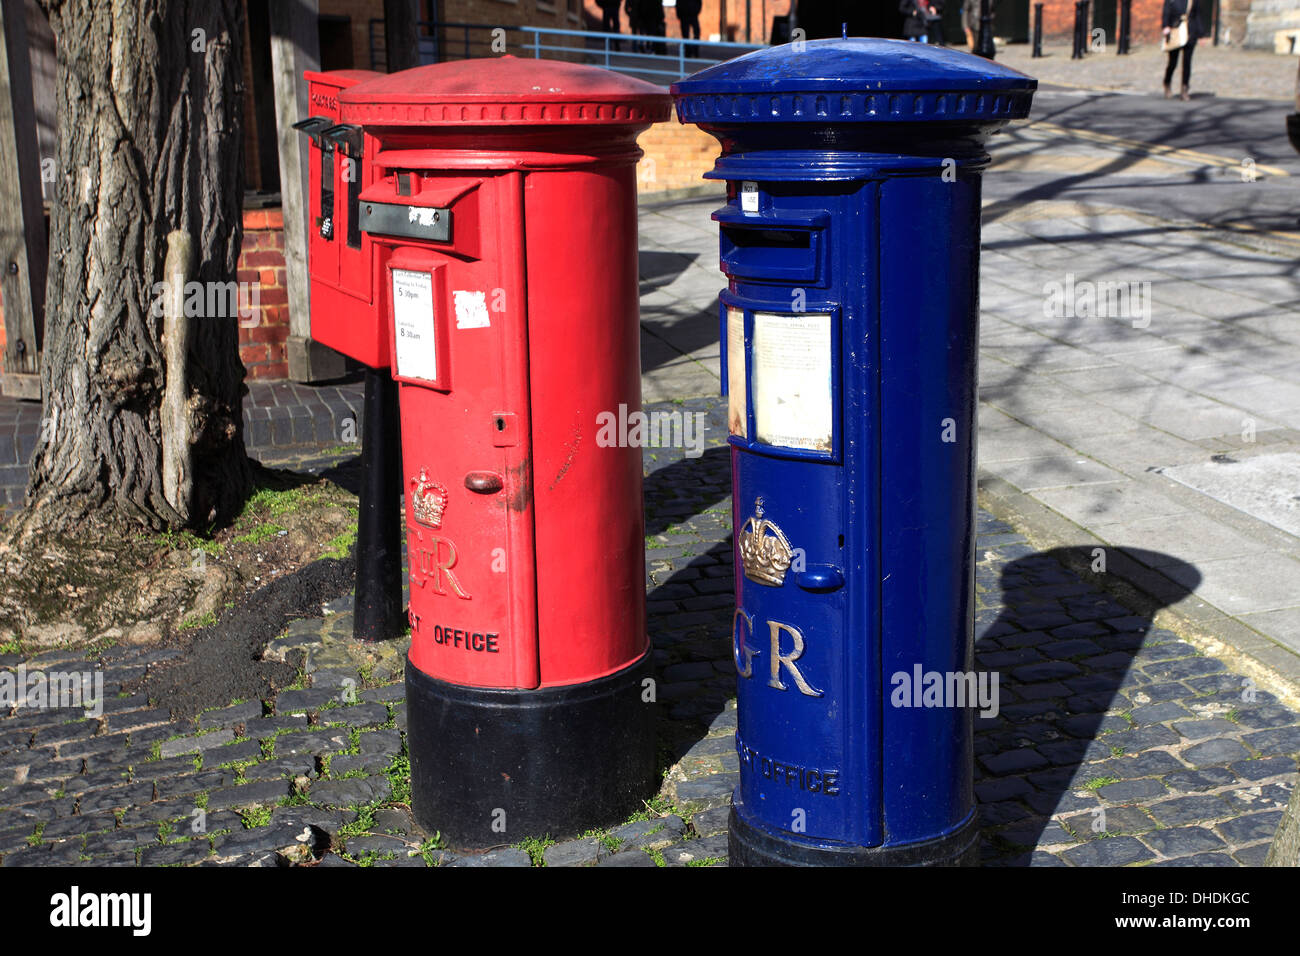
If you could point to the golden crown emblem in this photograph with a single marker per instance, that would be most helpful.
(765, 551)
(428, 500)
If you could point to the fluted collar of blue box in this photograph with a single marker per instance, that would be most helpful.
(854, 80)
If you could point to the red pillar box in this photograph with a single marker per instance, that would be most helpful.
(503, 209)
(344, 309)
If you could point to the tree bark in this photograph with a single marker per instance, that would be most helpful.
(150, 141)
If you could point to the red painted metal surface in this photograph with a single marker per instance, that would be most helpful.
(525, 537)
(345, 313)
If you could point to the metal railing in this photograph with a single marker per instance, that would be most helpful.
(655, 59)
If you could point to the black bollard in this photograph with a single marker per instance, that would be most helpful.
(378, 596)
(1038, 30)
(1125, 26)
(1077, 52)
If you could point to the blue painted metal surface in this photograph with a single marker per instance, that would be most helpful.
(853, 170)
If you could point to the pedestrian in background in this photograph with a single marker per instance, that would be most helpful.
(970, 21)
(609, 20)
(658, 24)
(609, 15)
(923, 19)
(688, 16)
(638, 22)
(1181, 29)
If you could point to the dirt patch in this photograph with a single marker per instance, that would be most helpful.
(98, 590)
(223, 662)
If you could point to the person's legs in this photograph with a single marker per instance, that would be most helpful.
(690, 30)
(1187, 67)
(1170, 64)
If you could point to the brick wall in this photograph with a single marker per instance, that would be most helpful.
(261, 261)
(676, 157)
(1058, 20)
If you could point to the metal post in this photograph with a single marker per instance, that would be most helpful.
(1125, 26)
(1076, 53)
(378, 596)
(1038, 29)
(984, 45)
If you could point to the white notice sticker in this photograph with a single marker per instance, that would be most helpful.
(471, 309)
(792, 379)
(417, 355)
(737, 410)
(749, 197)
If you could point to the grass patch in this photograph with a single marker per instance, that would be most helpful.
(430, 846)
(200, 621)
(262, 532)
(654, 808)
(1096, 783)
(399, 778)
(340, 546)
(536, 848)
(254, 817)
(189, 542)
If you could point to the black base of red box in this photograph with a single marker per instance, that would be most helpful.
(493, 767)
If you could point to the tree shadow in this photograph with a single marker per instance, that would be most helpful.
(1064, 649)
(691, 595)
(658, 269)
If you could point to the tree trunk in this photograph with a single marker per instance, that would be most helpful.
(150, 141)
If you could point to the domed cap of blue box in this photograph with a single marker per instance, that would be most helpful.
(854, 80)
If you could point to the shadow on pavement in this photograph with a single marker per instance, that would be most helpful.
(661, 268)
(689, 605)
(1064, 649)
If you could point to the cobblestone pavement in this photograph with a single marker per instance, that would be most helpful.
(277, 415)
(1220, 71)
(1116, 742)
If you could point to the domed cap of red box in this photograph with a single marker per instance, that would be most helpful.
(505, 91)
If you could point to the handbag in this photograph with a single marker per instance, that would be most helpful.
(1177, 38)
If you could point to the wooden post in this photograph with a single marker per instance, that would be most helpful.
(177, 421)
(24, 252)
(295, 47)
